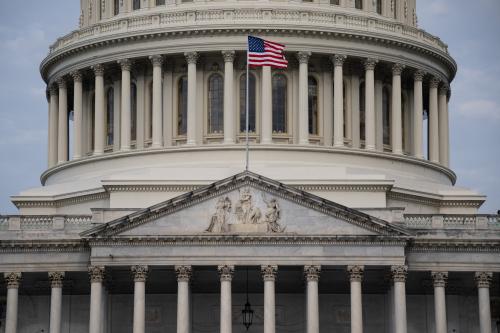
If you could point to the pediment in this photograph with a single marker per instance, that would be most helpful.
(246, 204)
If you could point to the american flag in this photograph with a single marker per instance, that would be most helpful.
(265, 53)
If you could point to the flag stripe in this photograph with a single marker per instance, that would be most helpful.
(265, 53)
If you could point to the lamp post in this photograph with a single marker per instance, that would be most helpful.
(247, 311)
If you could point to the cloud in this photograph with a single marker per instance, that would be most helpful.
(439, 8)
(480, 109)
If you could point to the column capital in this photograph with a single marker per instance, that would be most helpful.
(98, 70)
(356, 273)
(157, 60)
(303, 57)
(443, 90)
(56, 279)
(139, 273)
(269, 272)
(483, 279)
(399, 273)
(96, 273)
(61, 82)
(397, 69)
(419, 75)
(338, 59)
(13, 279)
(77, 76)
(183, 273)
(439, 278)
(125, 64)
(312, 272)
(53, 89)
(192, 57)
(434, 82)
(370, 64)
(226, 272)
(228, 56)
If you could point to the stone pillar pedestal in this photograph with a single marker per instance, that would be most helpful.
(418, 117)
(229, 111)
(62, 137)
(192, 59)
(399, 278)
(157, 136)
(183, 315)
(12, 280)
(433, 121)
(53, 124)
(397, 123)
(444, 136)
(356, 277)
(303, 58)
(226, 276)
(140, 274)
(338, 100)
(370, 132)
(126, 112)
(483, 281)
(96, 274)
(439, 279)
(312, 277)
(78, 115)
(267, 106)
(269, 277)
(100, 113)
(56, 284)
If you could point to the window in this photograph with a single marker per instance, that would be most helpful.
(251, 103)
(313, 105)
(182, 87)
(362, 111)
(335, 2)
(386, 115)
(395, 9)
(215, 104)
(149, 116)
(136, 4)
(279, 83)
(404, 120)
(92, 122)
(110, 105)
(160, 2)
(116, 7)
(133, 112)
(358, 4)
(378, 6)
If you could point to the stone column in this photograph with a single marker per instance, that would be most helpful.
(267, 106)
(12, 280)
(140, 274)
(53, 122)
(192, 59)
(78, 115)
(100, 112)
(226, 276)
(56, 284)
(126, 112)
(370, 136)
(96, 274)
(312, 277)
(483, 280)
(418, 111)
(62, 136)
(229, 111)
(183, 315)
(157, 136)
(444, 139)
(269, 276)
(303, 58)
(439, 279)
(338, 100)
(356, 277)
(399, 278)
(397, 116)
(433, 121)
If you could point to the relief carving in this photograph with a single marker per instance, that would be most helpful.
(219, 220)
(245, 210)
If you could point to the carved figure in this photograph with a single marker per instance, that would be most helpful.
(272, 215)
(218, 221)
(245, 210)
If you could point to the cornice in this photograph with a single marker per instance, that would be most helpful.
(344, 187)
(150, 188)
(435, 202)
(20, 246)
(77, 199)
(453, 245)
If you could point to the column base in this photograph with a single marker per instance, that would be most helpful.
(126, 148)
(156, 145)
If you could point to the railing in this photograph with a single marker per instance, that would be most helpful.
(45, 222)
(424, 221)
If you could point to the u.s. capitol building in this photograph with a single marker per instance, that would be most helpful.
(349, 219)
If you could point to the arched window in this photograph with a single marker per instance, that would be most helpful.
(133, 111)
(182, 87)
(386, 115)
(116, 7)
(395, 9)
(378, 3)
(136, 4)
(313, 105)
(215, 104)
(160, 2)
(358, 4)
(279, 83)
(251, 103)
(110, 112)
(362, 111)
(335, 2)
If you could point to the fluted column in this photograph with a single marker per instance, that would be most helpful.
(53, 124)
(12, 280)
(433, 121)
(483, 281)
(157, 136)
(78, 114)
(56, 285)
(370, 103)
(96, 274)
(100, 114)
(226, 276)
(183, 315)
(444, 138)
(192, 59)
(439, 279)
(312, 277)
(303, 58)
(126, 112)
(267, 106)
(229, 111)
(62, 136)
(399, 278)
(356, 277)
(269, 276)
(338, 100)
(397, 116)
(140, 273)
(418, 117)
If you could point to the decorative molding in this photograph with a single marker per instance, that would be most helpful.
(312, 273)
(53, 90)
(125, 64)
(434, 82)
(96, 273)
(228, 56)
(370, 64)
(399, 273)
(192, 57)
(56, 279)
(98, 69)
(157, 60)
(444, 89)
(343, 187)
(338, 60)
(61, 82)
(439, 279)
(151, 188)
(303, 56)
(183, 273)
(226, 272)
(418, 75)
(483, 279)
(43, 246)
(397, 69)
(13, 279)
(435, 202)
(356, 273)
(139, 273)
(269, 272)
(454, 245)
(60, 202)
(77, 76)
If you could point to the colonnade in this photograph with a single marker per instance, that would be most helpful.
(269, 273)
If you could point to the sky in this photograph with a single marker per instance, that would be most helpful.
(470, 28)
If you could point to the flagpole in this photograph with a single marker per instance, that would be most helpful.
(246, 115)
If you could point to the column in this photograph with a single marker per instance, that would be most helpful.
(140, 274)
(397, 122)
(78, 114)
(356, 277)
(96, 274)
(267, 106)
(399, 278)
(226, 276)
(303, 58)
(433, 121)
(483, 281)
(157, 136)
(439, 279)
(12, 280)
(229, 111)
(62, 136)
(100, 113)
(370, 103)
(312, 277)
(269, 276)
(191, 58)
(183, 315)
(53, 122)
(418, 115)
(355, 111)
(444, 139)
(126, 112)
(338, 100)
(56, 285)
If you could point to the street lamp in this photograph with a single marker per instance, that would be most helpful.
(247, 311)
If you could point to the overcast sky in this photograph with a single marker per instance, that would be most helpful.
(471, 28)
